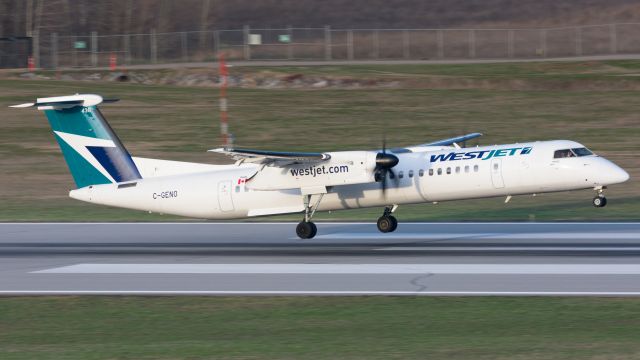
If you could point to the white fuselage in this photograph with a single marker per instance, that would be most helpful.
(422, 175)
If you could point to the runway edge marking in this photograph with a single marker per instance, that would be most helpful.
(325, 293)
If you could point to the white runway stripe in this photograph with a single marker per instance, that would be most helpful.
(469, 235)
(256, 269)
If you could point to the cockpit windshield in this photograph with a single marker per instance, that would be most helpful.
(576, 152)
(582, 151)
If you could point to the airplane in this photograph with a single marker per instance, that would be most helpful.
(261, 183)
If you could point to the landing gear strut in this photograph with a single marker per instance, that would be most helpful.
(306, 229)
(600, 201)
(387, 222)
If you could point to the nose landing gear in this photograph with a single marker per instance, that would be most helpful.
(387, 222)
(600, 201)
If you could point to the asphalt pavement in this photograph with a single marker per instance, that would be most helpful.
(465, 259)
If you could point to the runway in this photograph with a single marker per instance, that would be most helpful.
(465, 259)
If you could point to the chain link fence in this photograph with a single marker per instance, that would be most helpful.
(95, 50)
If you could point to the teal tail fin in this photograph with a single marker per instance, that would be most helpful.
(91, 149)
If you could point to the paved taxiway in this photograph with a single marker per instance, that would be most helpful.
(345, 258)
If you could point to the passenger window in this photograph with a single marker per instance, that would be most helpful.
(475, 168)
(400, 175)
(466, 168)
(410, 173)
(566, 153)
(457, 169)
(448, 170)
(391, 175)
(430, 172)
(495, 166)
(439, 171)
(421, 173)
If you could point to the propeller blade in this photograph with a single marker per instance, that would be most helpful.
(384, 163)
(384, 182)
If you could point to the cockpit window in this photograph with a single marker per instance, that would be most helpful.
(566, 153)
(582, 151)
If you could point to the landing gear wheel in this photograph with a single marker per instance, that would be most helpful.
(394, 222)
(306, 230)
(599, 201)
(387, 224)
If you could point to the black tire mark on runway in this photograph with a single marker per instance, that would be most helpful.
(416, 282)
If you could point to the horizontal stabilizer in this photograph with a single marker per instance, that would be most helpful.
(65, 102)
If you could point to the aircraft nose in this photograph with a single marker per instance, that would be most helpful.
(617, 174)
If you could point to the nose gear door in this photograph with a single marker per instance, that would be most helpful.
(224, 196)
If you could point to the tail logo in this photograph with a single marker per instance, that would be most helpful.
(83, 145)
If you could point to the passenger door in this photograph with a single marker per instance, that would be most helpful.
(224, 196)
(496, 173)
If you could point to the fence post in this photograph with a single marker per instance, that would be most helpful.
(350, 44)
(440, 35)
(216, 42)
(36, 48)
(376, 44)
(94, 48)
(613, 38)
(153, 47)
(185, 48)
(543, 42)
(54, 50)
(290, 43)
(327, 42)
(510, 43)
(247, 48)
(578, 41)
(74, 52)
(127, 49)
(405, 44)
(472, 43)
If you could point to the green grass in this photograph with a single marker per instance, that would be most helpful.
(181, 123)
(318, 328)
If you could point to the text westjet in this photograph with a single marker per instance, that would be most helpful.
(481, 154)
(320, 170)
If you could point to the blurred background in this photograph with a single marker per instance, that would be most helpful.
(64, 33)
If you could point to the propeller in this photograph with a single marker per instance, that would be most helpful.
(384, 164)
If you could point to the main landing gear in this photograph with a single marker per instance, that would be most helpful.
(387, 222)
(599, 201)
(306, 229)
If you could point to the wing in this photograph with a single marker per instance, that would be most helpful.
(453, 140)
(262, 156)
